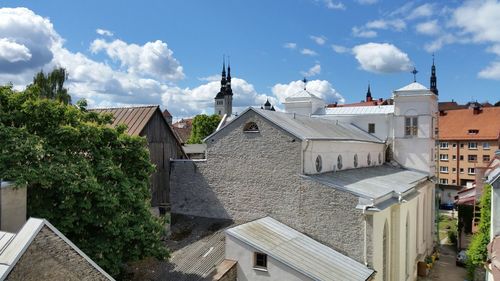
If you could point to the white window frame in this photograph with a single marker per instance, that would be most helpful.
(444, 145)
(411, 126)
(443, 181)
(443, 157)
(472, 146)
(443, 169)
(471, 171)
(486, 145)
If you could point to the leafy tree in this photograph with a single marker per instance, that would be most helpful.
(203, 126)
(478, 252)
(51, 86)
(89, 180)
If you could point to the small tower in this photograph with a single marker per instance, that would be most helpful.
(433, 87)
(224, 98)
(368, 94)
(267, 105)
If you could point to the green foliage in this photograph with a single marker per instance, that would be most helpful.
(477, 252)
(203, 126)
(51, 86)
(452, 236)
(89, 180)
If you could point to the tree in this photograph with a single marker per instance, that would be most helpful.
(203, 126)
(86, 178)
(51, 86)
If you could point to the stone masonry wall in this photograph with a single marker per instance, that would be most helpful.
(252, 175)
(50, 258)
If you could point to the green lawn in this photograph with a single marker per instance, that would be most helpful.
(446, 223)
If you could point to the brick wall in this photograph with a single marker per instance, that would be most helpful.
(50, 258)
(251, 175)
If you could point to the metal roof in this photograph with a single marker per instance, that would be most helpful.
(13, 246)
(299, 251)
(373, 182)
(135, 118)
(300, 95)
(308, 128)
(359, 110)
(415, 86)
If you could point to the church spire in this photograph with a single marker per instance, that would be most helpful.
(223, 79)
(369, 94)
(433, 87)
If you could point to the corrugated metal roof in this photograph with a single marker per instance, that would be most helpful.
(135, 118)
(299, 251)
(359, 110)
(372, 182)
(13, 246)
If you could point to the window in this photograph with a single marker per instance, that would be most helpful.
(443, 181)
(472, 158)
(461, 170)
(486, 145)
(454, 170)
(371, 128)
(379, 158)
(471, 171)
(443, 145)
(461, 145)
(472, 145)
(355, 160)
(453, 181)
(251, 127)
(443, 169)
(260, 260)
(461, 157)
(443, 157)
(473, 132)
(319, 164)
(454, 145)
(486, 158)
(339, 162)
(368, 159)
(453, 157)
(411, 126)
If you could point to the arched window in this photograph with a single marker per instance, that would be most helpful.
(339, 162)
(407, 246)
(369, 159)
(319, 164)
(251, 127)
(385, 253)
(379, 158)
(355, 160)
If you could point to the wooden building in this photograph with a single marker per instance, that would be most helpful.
(163, 144)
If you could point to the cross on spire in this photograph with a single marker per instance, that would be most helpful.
(305, 83)
(414, 72)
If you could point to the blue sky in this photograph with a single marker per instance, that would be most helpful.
(170, 52)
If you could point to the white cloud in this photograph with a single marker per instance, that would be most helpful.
(210, 78)
(367, 2)
(314, 70)
(320, 40)
(439, 42)
(425, 10)
(153, 58)
(308, 52)
(363, 33)
(396, 24)
(340, 49)
(381, 58)
(290, 45)
(334, 5)
(320, 88)
(428, 28)
(495, 49)
(13, 52)
(479, 19)
(491, 72)
(104, 32)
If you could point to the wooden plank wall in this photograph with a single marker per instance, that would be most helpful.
(162, 147)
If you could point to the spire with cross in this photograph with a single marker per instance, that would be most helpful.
(305, 83)
(414, 72)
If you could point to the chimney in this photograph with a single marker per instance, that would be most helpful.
(12, 206)
(476, 109)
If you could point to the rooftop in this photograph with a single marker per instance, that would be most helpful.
(456, 124)
(360, 110)
(376, 183)
(299, 251)
(135, 118)
(415, 86)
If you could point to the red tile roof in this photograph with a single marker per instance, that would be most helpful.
(455, 124)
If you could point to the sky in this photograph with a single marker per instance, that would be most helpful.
(170, 53)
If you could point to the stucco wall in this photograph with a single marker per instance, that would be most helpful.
(251, 175)
(50, 258)
(244, 254)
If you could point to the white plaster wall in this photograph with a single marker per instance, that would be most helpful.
(495, 209)
(302, 108)
(244, 255)
(330, 150)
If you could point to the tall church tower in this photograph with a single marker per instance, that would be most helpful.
(433, 87)
(224, 98)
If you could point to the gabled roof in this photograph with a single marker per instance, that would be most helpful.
(377, 183)
(415, 86)
(13, 246)
(301, 95)
(136, 118)
(455, 124)
(308, 128)
(360, 110)
(299, 251)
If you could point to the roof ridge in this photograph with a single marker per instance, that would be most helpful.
(126, 107)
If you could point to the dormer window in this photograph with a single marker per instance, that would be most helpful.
(473, 132)
(251, 127)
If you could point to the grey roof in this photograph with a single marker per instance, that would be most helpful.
(13, 246)
(373, 183)
(299, 251)
(359, 110)
(305, 127)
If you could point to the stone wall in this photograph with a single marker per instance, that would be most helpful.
(50, 258)
(252, 175)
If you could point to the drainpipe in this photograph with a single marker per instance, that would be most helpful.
(365, 255)
(304, 157)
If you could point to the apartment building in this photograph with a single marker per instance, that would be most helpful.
(468, 139)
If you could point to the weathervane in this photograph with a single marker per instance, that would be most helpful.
(305, 82)
(414, 72)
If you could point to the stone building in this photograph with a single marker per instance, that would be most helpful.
(224, 98)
